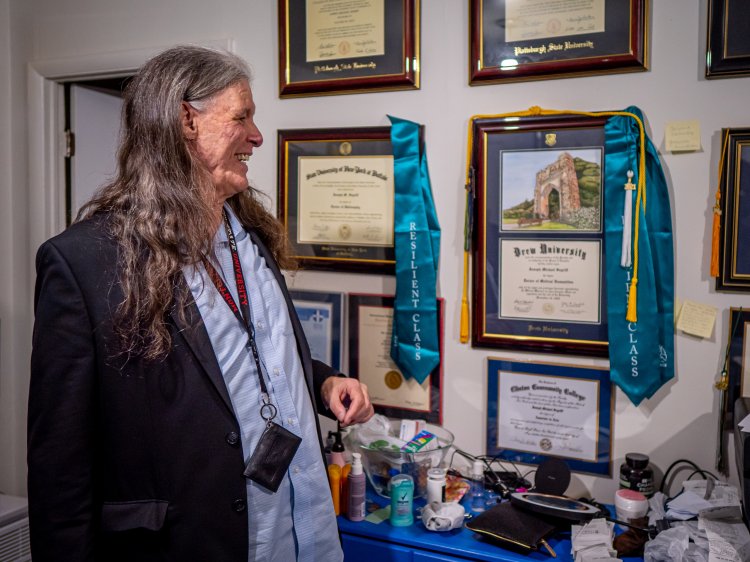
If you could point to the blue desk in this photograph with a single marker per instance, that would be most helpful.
(365, 542)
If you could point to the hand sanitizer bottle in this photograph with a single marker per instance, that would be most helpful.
(477, 486)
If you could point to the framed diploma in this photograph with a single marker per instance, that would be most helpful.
(734, 244)
(538, 410)
(514, 40)
(336, 191)
(391, 394)
(347, 46)
(539, 247)
(738, 365)
(728, 41)
(322, 318)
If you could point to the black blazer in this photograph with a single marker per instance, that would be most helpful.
(128, 459)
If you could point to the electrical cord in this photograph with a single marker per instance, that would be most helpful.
(698, 470)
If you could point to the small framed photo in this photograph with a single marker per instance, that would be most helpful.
(514, 40)
(539, 247)
(734, 244)
(334, 47)
(540, 410)
(322, 317)
(728, 40)
(370, 329)
(336, 198)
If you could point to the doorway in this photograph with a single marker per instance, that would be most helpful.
(92, 130)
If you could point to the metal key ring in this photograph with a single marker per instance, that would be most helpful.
(265, 409)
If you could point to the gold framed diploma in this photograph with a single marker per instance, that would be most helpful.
(336, 198)
(514, 40)
(391, 394)
(539, 281)
(347, 46)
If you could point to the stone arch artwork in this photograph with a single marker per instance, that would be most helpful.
(560, 176)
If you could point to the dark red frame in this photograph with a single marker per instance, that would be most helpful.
(435, 415)
(407, 78)
(374, 260)
(633, 61)
(480, 337)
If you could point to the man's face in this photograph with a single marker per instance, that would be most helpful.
(222, 135)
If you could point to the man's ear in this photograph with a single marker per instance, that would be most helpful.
(189, 125)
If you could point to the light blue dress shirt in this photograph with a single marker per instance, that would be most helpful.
(298, 521)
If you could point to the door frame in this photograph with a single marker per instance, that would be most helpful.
(46, 140)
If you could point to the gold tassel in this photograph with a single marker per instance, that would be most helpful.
(631, 315)
(716, 226)
(715, 235)
(641, 189)
(465, 302)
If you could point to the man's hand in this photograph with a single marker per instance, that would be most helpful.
(348, 399)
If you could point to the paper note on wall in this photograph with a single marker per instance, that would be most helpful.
(682, 136)
(697, 319)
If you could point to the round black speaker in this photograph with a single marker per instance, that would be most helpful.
(552, 477)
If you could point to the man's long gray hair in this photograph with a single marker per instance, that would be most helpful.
(159, 204)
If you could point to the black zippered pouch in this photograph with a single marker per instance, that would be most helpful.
(272, 456)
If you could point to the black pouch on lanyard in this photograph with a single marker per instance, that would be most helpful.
(272, 456)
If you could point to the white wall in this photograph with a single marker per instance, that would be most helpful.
(15, 274)
(679, 422)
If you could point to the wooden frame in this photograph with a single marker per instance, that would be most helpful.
(320, 168)
(538, 278)
(734, 245)
(549, 40)
(370, 47)
(370, 362)
(728, 39)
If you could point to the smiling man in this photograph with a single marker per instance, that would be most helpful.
(167, 351)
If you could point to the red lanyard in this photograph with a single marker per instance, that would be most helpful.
(242, 312)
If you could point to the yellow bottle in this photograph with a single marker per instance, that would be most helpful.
(334, 480)
(344, 496)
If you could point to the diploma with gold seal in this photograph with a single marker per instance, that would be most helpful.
(346, 200)
(393, 395)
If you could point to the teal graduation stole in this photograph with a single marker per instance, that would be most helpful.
(415, 344)
(641, 353)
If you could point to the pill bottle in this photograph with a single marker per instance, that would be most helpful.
(637, 475)
(436, 485)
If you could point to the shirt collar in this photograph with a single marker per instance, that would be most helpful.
(237, 228)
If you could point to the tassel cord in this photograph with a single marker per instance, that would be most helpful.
(534, 111)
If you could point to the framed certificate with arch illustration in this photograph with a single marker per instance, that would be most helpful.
(393, 395)
(514, 40)
(336, 198)
(537, 410)
(347, 46)
(538, 273)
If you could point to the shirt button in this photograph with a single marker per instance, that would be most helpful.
(260, 325)
(232, 438)
(277, 371)
(239, 505)
(290, 421)
(296, 470)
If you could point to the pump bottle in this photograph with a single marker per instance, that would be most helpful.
(357, 485)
